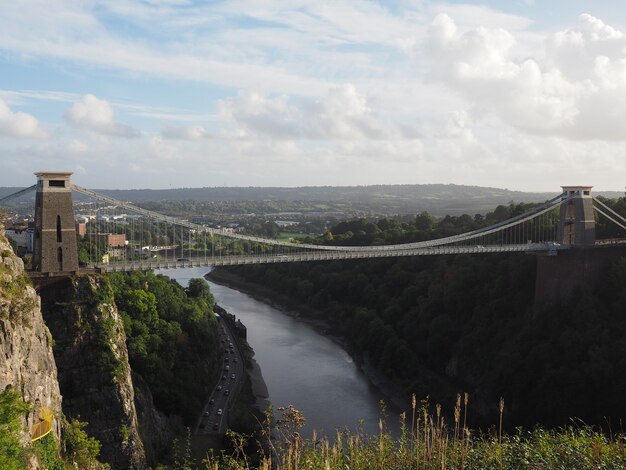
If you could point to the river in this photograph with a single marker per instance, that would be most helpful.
(300, 366)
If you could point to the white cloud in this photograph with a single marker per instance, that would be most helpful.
(342, 114)
(457, 126)
(470, 16)
(19, 96)
(161, 150)
(575, 99)
(97, 115)
(132, 108)
(574, 51)
(194, 132)
(290, 47)
(77, 147)
(341, 93)
(18, 124)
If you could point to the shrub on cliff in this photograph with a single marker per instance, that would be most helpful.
(78, 447)
(12, 409)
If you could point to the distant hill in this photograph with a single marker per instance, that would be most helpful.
(438, 199)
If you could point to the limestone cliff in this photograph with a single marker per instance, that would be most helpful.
(158, 431)
(26, 359)
(92, 360)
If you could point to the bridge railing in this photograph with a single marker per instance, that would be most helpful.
(231, 260)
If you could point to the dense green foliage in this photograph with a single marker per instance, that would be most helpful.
(171, 338)
(570, 360)
(437, 325)
(88, 250)
(49, 453)
(79, 449)
(12, 409)
(605, 228)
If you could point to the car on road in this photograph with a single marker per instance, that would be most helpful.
(226, 392)
(216, 426)
(232, 376)
(223, 377)
(219, 387)
(206, 413)
(219, 411)
(211, 401)
(227, 368)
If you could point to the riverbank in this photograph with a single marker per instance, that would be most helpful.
(259, 387)
(393, 394)
(253, 395)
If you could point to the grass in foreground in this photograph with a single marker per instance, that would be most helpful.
(427, 442)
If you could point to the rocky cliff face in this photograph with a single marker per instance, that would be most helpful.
(157, 430)
(92, 360)
(26, 360)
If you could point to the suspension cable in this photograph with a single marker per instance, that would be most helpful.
(609, 209)
(548, 205)
(610, 218)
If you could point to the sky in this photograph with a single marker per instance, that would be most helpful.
(520, 94)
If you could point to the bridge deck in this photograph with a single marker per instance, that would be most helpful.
(322, 256)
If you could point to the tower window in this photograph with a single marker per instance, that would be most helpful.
(60, 255)
(59, 232)
(56, 183)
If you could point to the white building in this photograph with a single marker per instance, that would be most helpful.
(23, 238)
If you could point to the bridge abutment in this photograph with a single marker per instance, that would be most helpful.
(577, 268)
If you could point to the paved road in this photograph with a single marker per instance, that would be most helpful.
(214, 417)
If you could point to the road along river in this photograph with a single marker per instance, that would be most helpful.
(300, 366)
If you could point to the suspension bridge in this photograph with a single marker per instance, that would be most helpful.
(116, 235)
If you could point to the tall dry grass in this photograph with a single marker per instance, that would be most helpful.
(427, 442)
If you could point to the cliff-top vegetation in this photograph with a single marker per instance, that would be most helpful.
(171, 338)
(428, 442)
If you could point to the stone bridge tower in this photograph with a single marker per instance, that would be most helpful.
(580, 267)
(55, 249)
(577, 225)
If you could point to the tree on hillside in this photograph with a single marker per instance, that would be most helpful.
(199, 289)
